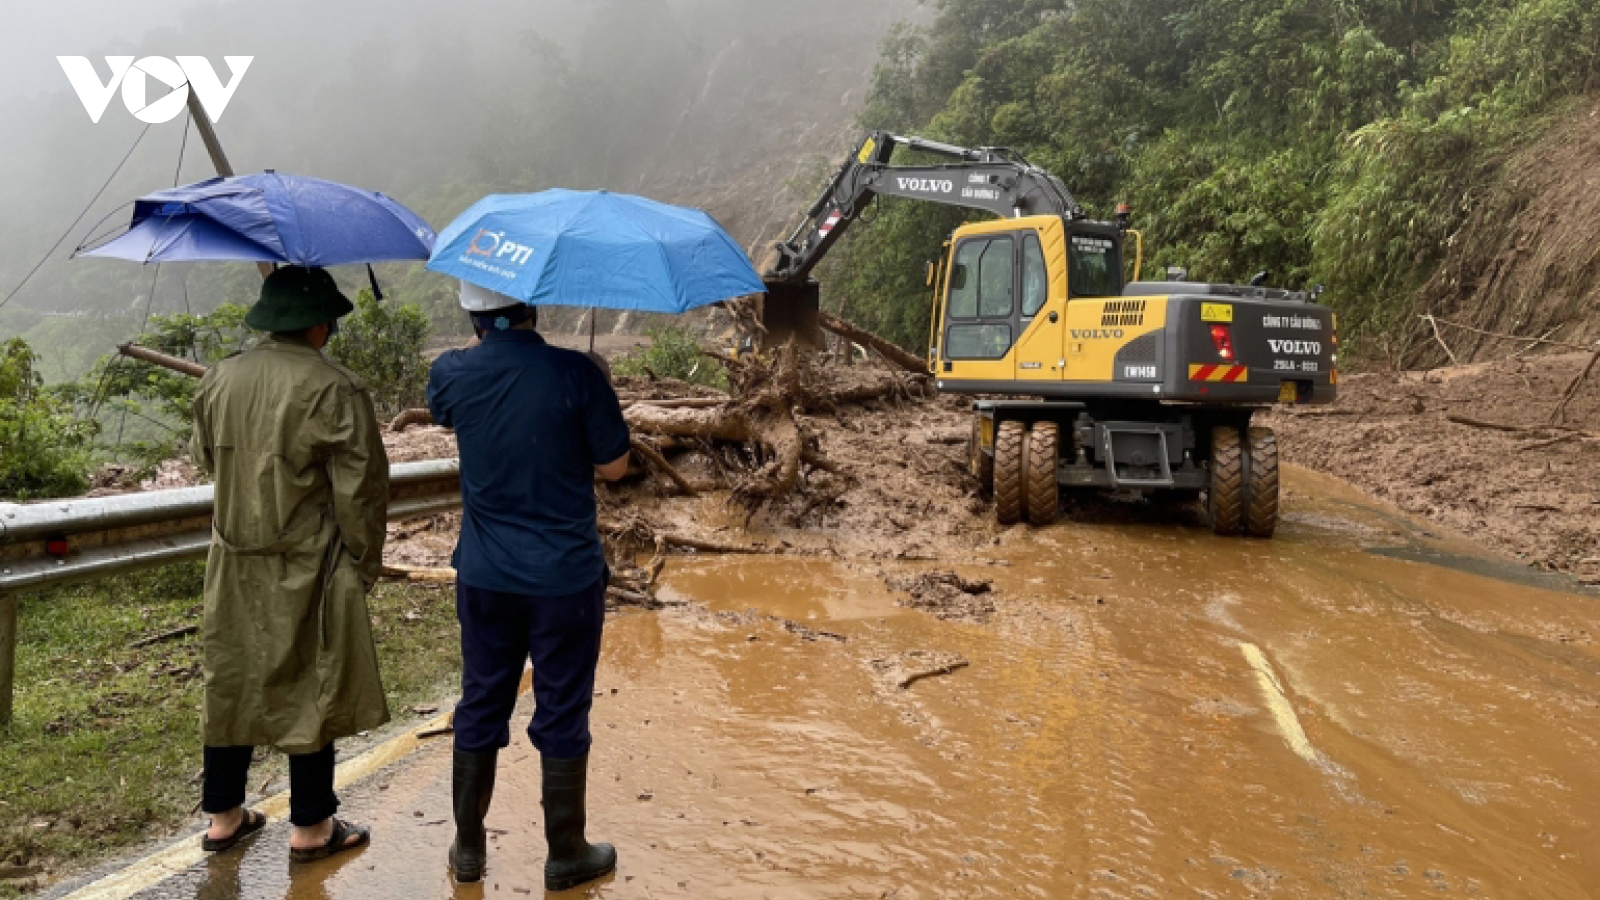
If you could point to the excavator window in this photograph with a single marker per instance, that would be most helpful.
(1093, 267)
(1035, 276)
(982, 298)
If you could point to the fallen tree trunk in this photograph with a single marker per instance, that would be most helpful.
(908, 361)
(706, 424)
(680, 403)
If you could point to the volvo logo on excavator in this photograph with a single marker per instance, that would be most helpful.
(1296, 348)
(927, 185)
(1095, 334)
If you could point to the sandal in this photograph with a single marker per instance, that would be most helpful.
(250, 824)
(342, 832)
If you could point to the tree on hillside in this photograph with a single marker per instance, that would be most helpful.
(44, 449)
(1320, 140)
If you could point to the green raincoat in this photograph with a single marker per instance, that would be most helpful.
(302, 490)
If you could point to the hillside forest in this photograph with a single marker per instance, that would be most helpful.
(1413, 156)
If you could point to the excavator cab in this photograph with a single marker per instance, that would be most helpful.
(999, 316)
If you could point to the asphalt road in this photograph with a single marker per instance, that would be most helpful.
(1354, 709)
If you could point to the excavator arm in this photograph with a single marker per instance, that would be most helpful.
(994, 179)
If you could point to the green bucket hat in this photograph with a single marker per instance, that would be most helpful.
(295, 298)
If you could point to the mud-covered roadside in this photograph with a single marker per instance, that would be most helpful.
(901, 491)
(1427, 442)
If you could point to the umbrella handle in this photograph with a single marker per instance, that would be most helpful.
(372, 278)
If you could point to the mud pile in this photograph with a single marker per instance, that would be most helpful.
(946, 595)
(1473, 448)
(895, 486)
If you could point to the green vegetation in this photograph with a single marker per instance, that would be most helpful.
(1326, 142)
(673, 352)
(383, 342)
(44, 449)
(149, 405)
(105, 750)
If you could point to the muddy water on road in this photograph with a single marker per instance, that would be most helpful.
(1151, 712)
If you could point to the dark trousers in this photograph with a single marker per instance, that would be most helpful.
(311, 797)
(499, 633)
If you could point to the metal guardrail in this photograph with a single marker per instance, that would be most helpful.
(66, 541)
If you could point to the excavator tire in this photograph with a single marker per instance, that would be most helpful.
(1261, 489)
(1009, 500)
(1225, 498)
(1044, 493)
(980, 464)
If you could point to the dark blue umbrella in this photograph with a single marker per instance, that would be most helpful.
(595, 249)
(269, 218)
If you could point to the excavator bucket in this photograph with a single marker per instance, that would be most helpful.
(792, 310)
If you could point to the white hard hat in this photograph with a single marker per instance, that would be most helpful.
(476, 299)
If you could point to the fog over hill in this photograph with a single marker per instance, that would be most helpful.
(724, 104)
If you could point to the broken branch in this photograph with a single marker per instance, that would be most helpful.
(172, 635)
(889, 351)
(653, 456)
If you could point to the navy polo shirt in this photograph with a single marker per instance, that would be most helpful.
(532, 421)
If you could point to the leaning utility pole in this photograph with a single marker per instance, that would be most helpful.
(219, 159)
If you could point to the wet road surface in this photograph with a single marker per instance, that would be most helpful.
(1150, 712)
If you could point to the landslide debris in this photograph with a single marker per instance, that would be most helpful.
(1473, 448)
(946, 595)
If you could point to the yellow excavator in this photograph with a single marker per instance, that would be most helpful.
(1082, 378)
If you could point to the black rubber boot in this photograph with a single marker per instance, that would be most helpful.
(573, 860)
(471, 788)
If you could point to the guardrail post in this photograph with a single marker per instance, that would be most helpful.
(8, 654)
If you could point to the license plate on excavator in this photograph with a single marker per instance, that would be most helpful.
(1288, 392)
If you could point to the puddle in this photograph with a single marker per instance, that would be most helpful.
(795, 588)
(1485, 566)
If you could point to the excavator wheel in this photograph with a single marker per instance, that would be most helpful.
(980, 464)
(1044, 494)
(1225, 498)
(1009, 500)
(1261, 489)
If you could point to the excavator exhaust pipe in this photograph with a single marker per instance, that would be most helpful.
(793, 310)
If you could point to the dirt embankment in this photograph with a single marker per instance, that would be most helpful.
(1525, 260)
(1472, 447)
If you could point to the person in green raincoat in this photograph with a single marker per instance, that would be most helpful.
(302, 490)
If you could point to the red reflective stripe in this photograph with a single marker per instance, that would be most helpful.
(1234, 373)
(1203, 373)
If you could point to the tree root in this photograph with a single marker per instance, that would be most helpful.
(658, 462)
(409, 418)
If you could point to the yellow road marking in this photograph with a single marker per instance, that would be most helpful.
(1278, 703)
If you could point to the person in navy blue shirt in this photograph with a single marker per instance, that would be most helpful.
(535, 425)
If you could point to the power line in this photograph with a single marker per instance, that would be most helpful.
(187, 121)
(95, 199)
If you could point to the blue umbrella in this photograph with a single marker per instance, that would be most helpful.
(269, 218)
(595, 249)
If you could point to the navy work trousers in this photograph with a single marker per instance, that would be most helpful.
(499, 633)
